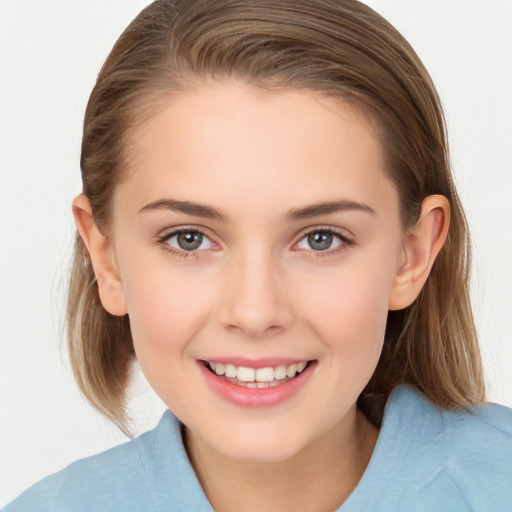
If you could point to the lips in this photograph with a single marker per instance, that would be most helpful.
(256, 384)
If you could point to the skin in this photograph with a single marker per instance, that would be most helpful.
(256, 287)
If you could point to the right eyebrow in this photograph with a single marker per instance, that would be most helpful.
(187, 207)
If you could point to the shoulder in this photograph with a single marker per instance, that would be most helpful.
(479, 444)
(115, 471)
(480, 430)
(127, 477)
(492, 419)
(456, 455)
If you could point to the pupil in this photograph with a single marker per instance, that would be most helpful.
(320, 241)
(189, 241)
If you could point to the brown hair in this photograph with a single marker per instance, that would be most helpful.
(340, 48)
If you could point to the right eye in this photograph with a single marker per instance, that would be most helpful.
(187, 240)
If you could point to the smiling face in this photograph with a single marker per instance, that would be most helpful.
(257, 232)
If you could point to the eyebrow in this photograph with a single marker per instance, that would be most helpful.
(326, 208)
(187, 207)
(306, 212)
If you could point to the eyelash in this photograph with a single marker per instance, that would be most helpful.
(344, 239)
(164, 239)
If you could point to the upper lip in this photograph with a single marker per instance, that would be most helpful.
(256, 363)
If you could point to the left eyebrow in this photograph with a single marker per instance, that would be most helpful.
(327, 208)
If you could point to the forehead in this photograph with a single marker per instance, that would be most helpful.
(219, 142)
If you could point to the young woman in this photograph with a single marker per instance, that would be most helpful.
(269, 225)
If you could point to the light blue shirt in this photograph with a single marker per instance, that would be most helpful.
(426, 459)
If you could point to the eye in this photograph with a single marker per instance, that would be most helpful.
(188, 240)
(322, 240)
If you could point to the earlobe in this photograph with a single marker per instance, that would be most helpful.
(422, 244)
(101, 252)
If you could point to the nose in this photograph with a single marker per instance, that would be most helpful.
(255, 301)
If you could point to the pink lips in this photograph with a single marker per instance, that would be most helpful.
(256, 397)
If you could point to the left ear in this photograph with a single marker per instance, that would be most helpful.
(422, 244)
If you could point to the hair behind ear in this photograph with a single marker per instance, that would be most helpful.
(100, 345)
(433, 344)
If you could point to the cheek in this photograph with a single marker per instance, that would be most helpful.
(348, 311)
(166, 309)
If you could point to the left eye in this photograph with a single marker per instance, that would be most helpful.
(321, 241)
(189, 240)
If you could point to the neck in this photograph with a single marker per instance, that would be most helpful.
(318, 478)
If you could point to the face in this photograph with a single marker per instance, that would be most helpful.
(257, 240)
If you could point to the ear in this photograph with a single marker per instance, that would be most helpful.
(422, 244)
(101, 252)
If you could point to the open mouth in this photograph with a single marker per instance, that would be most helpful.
(267, 377)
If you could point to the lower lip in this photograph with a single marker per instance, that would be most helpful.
(256, 397)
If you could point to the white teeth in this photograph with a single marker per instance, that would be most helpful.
(265, 376)
(230, 371)
(300, 366)
(291, 370)
(280, 372)
(246, 374)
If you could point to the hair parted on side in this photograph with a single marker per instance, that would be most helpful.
(339, 48)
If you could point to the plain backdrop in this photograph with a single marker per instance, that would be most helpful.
(50, 53)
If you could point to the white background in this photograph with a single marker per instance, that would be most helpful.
(50, 53)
